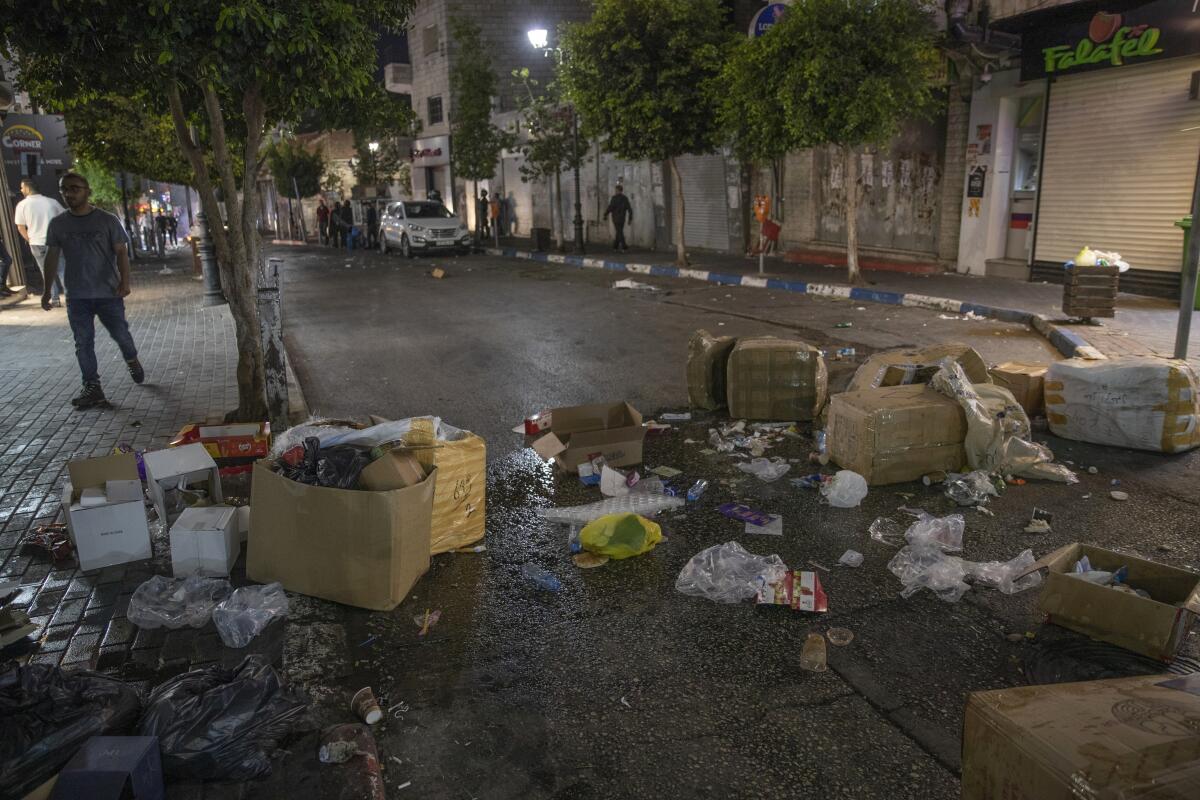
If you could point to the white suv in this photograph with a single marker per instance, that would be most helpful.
(414, 226)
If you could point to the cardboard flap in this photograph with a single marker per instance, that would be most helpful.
(177, 461)
(92, 472)
(548, 446)
(1192, 604)
(1050, 560)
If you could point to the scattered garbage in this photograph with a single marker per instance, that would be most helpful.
(613, 483)
(727, 573)
(926, 565)
(336, 752)
(812, 655)
(163, 602)
(1037, 525)
(437, 272)
(800, 590)
(772, 527)
(248, 611)
(629, 283)
(945, 532)
(886, 531)
(427, 620)
(587, 560)
(766, 470)
(744, 513)
(971, 489)
(340, 744)
(707, 368)
(221, 724)
(365, 706)
(813, 481)
(697, 489)
(1118, 495)
(1092, 470)
(839, 637)
(47, 714)
(666, 472)
(633, 503)
(620, 536)
(540, 577)
(776, 379)
(846, 489)
(52, 538)
(843, 325)
(851, 558)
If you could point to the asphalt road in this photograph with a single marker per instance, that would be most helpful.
(620, 686)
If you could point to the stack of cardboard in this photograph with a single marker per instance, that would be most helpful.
(708, 359)
(916, 365)
(775, 379)
(1025, 381)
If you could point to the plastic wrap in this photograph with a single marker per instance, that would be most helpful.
(846, 489)
(971, 489)
(946, 532)
(642, 503)
(926, 566)
(781, 379)
(727, 573)
(766, 469)
(176, 602)
(248, 611)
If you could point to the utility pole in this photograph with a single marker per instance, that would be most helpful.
(8, 228)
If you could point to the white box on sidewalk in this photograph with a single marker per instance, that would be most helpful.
(180, 468)
(204, 541)
(114, 531)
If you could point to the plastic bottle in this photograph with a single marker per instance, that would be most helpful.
(543, 579)
(812, 657)
(697, 489)
(819, 438)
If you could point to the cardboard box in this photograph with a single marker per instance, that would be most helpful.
(780, 379)
(113, 533)
(1154, 627)
(351, 546)
(1126, 738)
(580, 433)
(896, 434)
(233, 447)
(708, 360)
(1025, 381)
(113, 768)
(395, 469)
(912, 365)
(180, 468)
(205, 541)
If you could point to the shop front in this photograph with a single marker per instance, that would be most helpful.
(431, 175)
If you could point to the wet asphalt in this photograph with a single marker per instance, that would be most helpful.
(619, 686)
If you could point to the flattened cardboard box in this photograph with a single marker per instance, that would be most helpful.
(896, 434)
(356, 547)
(778, 379)
(1124, 739)
(1153, 627)
(914, 365)
(708, 359)
(1025, 381)
(579, 433)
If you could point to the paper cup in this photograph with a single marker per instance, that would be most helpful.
(366, 706)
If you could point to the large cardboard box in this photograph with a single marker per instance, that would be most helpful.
(580, 433)
(911, 365)
(708, 360)
(351, 546)
(114, 530)
(1025, 381)
(779, 379)
(1129, 738)
(171, 473)
(205, 541)
(1153, 627)
(896, 434)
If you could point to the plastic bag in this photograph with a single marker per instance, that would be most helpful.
(972, 489)
(176, 602)
(946, 532)
(926, 566)
(335, 467)
(727, 573)
(766, 469)
(219, 724)
(620, 535)
(851, 558)
(47, 714)
(248, 611)
(846, 490)
(1002, 574)
(643, 503)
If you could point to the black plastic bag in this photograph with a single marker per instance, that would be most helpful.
(219, 724)
(46, 715)
(336, 467)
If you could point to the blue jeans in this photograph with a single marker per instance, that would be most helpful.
(111, 311)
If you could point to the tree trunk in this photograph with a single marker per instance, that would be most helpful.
(851, 184)
(681, 259)
(560, 232)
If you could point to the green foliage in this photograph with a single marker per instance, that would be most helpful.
(105, 191)
(477, 142)
(288, 160)
(127, 134)
(549, 147)
(644, 74)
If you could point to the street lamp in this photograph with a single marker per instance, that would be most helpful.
(540, 39)
(373, 147)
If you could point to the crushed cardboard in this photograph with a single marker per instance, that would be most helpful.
(916, 365)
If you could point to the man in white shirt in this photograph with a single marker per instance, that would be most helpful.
(33, 215)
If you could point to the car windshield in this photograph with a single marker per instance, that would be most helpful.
(426, 211)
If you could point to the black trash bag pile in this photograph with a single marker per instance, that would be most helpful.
(336, 467)
(219, 724)
(46, 715)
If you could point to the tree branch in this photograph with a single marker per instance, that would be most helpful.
(216, 119)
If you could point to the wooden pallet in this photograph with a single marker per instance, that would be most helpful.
(1090, 291)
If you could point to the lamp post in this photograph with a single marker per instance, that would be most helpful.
(7, 226)
(540, 39)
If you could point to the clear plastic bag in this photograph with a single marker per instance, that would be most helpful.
(727, 573)
(176, 602)
(766, 469)
(846, 490)
(926, 566)
(946, 532)
(851, 558)
(1001, 575)
(643, 503)
(972, 489)
(248, 611)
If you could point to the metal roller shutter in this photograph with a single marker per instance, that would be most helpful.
(1118, 167)
(705, 215)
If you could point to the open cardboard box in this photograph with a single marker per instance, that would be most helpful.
(179, 468)
(580, 433)
(114, 532)
(1153, 627)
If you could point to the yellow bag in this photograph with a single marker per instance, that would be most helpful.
(458, 498)
(619, 535)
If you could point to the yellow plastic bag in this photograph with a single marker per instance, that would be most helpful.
(620, 535)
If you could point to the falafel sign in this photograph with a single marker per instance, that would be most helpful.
(1092, 40)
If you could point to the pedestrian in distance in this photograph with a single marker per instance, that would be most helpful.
(494, 216)
(160, 232)
(94, 251)
(348, 230)
(173, 228)
(322, 222)
(33, 215)
(620, 209)
(481, 214)
(335, 225)
(372, 226)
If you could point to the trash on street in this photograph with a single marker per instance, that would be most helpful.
(707, 364)
(727, 573)
(800, 590)
(620, 536)
(365, 706)
(247, 612)
(578, 433)
(162, 602)
(847, 489)
(776, 379)
(813, 654)
(851, 558)
(109, 526)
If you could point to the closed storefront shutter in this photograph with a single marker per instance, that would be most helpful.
(1119, 165)
(705, 217)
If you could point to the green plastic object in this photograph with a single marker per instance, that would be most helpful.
(620, 535)
(1186, 225)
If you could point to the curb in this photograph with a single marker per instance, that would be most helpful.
(1067, 342)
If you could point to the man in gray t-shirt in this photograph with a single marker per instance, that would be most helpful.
(94, 249)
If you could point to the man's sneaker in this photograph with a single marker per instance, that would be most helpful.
(92, 395)
(135, 370)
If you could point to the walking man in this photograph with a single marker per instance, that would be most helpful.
(322, 222)
(173, 228)
(481, 215)
(33, 215)
(348, 225)
(620, 208)
(95, 254)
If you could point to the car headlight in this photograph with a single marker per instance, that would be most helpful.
(462, 228)
(416, 228)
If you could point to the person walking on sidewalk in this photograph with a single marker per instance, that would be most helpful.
(481, 215)
(620, 208)
(33, 215)
(95, 254)
(322, 222)
(494, 217)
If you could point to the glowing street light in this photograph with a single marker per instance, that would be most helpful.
(539, 38)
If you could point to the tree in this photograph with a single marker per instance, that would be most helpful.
(846, 73)
(644, 74)
(227, 71)
(294, 167)
(105, 192)
(477, 142)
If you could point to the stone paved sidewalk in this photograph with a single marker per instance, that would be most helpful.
(190, 357)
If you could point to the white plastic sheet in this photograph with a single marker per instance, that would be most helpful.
(727, 573)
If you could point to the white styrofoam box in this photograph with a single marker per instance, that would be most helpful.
(179, 467)
(204, 541)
